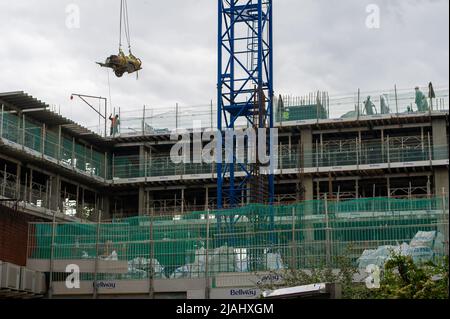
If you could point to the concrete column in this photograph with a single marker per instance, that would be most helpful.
(141, 201)
(142, 159)
(142, 195)
(357, 188)
(307, 142)
(150, 199)
(440, 142)
(106, 207)
(306, 138)
(18, 176)
(206, 197)
(182, 200)
(440, 147)
(78, 201)
(388, 186)
(309, 187)
(309, 195)
(440, 180)
(55, 193)
(30, 186)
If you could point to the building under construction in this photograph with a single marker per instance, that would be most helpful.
(349, 180)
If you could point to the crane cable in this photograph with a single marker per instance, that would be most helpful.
(126, 25)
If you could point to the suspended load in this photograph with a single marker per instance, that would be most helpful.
(122, 63)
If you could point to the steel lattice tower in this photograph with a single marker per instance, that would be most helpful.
(245, 87)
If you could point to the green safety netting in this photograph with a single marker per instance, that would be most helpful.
(301, 112)
(67, 150)
(297, 232)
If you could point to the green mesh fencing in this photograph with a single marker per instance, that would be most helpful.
(247, 239)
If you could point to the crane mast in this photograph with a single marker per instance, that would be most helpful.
(245, 92)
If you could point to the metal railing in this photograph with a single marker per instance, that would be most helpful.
(134, 166)
(390, 102)
(54, 145)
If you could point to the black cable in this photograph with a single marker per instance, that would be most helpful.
(120, 26)
(127, 24)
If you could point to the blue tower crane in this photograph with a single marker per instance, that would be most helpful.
(245, 87)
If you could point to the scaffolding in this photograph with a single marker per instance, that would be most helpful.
(52, 144)
(314, 107)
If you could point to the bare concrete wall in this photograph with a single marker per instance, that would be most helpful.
(440, 144)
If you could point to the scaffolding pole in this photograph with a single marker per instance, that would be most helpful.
(52, 254)
(207, 282)
(327, 233)
(99, 219)
(2, 120)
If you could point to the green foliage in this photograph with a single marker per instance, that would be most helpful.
(343, 274)
(404, 279)
(401, 279)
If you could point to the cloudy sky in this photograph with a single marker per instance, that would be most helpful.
(319, 45)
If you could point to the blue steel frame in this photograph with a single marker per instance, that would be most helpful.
(245, 35)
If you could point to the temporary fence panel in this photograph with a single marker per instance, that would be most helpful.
(247, 239)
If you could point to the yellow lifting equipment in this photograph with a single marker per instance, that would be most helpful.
(122, 63)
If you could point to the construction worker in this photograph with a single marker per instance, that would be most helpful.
(286, 115)
(370, 107)
(384, 104)
(114, 120)
(431, 94)
(421, 100)
(117, 123)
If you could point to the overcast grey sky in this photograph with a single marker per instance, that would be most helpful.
(319, 45)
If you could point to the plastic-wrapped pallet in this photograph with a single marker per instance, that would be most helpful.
(200, 257)
(377, 256)
(222, 259)
(439, 245)
(423, 239)
(188, 271)
(366, 258)
(112, 256)
(139, 268)
(192, 270)
(242, 262)
(424, 246)
(431, 239)
(274, 261)
(181, 272)
(198, 267)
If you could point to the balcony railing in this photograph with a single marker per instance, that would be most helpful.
(135, 167)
